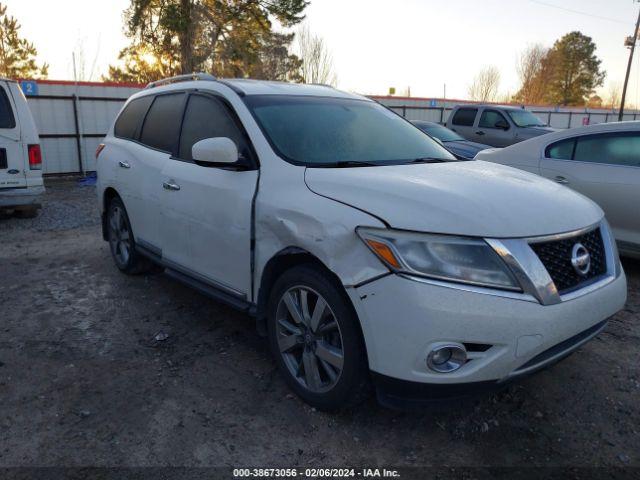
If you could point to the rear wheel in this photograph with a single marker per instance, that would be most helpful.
(26, 212)
(121, 240)
(316, 340)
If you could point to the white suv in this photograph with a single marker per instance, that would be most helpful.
(21, 186)
(368, 254)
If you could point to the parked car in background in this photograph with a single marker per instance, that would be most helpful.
(451, 140)
(365, 250)
(21, 185)
(495, 125)
(600, 161)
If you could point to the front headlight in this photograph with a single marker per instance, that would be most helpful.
(443, 257)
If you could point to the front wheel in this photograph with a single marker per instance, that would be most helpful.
(316, 340)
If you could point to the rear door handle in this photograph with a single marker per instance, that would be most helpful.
(561, 179)
(124, 165)
(171, 185)
(479, 132)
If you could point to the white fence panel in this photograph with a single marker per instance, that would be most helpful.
(69, 136)
(72, 119)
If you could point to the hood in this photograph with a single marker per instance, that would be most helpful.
(472, 198)
(464, 148)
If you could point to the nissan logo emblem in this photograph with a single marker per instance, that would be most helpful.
(580, 259)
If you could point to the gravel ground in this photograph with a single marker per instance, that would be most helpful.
(102, 369)
(67, 206)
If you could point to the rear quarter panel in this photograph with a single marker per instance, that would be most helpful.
(524, 156)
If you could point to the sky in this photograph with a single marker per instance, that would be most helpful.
(376, 44)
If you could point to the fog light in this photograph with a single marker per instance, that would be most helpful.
(446, 358)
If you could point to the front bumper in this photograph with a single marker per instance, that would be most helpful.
(22, 197)
(403, 318)
(402, 394)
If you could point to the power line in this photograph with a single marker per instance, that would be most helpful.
(578, 12)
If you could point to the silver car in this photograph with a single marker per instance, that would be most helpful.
(600, 161)
(495, 125)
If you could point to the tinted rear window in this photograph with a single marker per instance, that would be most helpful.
(162, 124)
(6, 114)
(131, 118)
(613, 149)
(465, 117)
(562, 150)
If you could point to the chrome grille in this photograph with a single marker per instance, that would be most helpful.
(555, 255)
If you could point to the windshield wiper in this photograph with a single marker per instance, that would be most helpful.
(345, 164)
(430, 160)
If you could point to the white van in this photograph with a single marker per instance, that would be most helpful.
(21, 185)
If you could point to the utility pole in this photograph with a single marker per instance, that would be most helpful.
(626, 78)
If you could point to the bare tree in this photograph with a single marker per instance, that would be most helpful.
(79, 66)
(485, 85)
(531, 69)
(612, 99)
(317, 62)
(505, 97)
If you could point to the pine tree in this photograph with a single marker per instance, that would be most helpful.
(576, 70)
(231, 38)
(17, 55)
(566, 74)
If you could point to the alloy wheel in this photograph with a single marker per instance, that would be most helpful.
(119, 237)
(309, 339)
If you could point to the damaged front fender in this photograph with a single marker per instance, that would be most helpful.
(302, 221)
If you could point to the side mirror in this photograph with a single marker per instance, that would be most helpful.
(215, 150)
(502, 124)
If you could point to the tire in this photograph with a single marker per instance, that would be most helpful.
(322, 357)
(121, 241)
(26, 212)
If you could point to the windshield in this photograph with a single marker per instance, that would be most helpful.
(320, 131)
(524, 118)
(441, 133)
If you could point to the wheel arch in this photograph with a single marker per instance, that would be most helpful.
(109, 194)
(279, 263)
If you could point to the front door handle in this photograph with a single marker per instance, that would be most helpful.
(171, 185)
(479, 132)
(561, 179)
(124, 165)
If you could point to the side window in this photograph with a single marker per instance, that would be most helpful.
(131, 118)
(562, 150)
(465, 117)
(6, 114)
(162, 123)
(614, 149)
(490, 118)
(207, 117)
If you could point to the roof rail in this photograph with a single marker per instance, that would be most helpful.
(181, 78)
